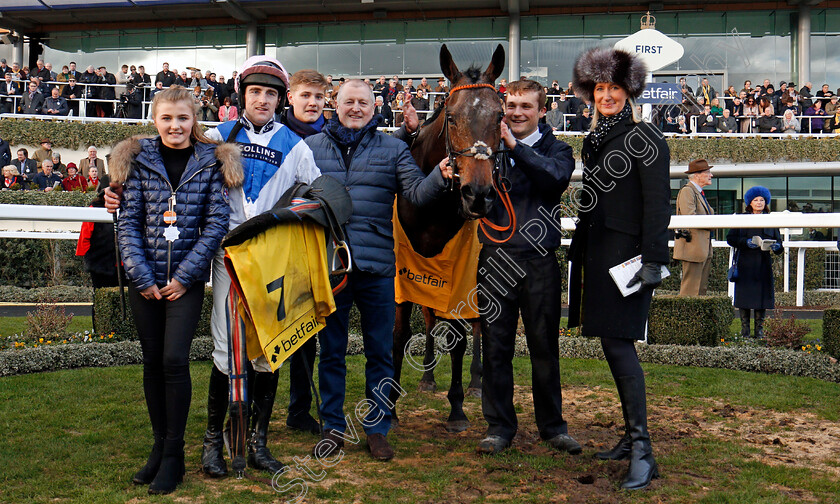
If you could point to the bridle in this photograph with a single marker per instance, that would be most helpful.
(482, 151)
(478, 150)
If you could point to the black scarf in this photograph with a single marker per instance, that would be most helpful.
(346, 137)
(303, 129)
(606, 123)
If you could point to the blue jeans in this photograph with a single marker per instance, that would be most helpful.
(374, 297)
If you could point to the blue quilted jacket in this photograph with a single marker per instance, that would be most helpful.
(201, 206)
(380, 168)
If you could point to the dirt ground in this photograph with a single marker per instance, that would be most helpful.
(593, 415)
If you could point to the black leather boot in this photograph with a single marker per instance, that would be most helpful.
(172, 468)
(745, 322)
(759, 323)
(264, 392)
(642, 464)
(145, 475)
(621, 450)
(212, 456)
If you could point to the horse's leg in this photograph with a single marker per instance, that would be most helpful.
(474, 389)
(457, 421)
(427, 381)
(402, 333)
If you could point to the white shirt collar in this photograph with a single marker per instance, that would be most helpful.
(699, 189)
(251, 126)
(531, 139)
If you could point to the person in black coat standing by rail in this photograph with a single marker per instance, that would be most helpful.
(754, 289)
(625, 210)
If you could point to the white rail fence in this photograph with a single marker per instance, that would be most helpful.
(63, 223)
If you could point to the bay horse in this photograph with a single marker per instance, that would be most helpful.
(466, 129)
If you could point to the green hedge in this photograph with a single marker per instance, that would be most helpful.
(702, 320)
(56, 293)
(737, 150)
(831, 331)
(42, 263)
(751, 359)
(109, 316)
(54, 358)
(743, 150)
(68, 135)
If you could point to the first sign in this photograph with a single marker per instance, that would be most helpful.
(655, 48)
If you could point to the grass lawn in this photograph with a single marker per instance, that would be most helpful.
(719, 437)
(17, 325)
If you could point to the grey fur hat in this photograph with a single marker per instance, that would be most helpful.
(607, 64)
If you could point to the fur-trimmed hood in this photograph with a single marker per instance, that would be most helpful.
(124, 153)
(607, 64)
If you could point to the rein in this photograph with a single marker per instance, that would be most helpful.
(482, 151)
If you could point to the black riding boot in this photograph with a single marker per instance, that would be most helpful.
(621, 450)
(212, 456)
(265, 389)
(642, 465)
(145, 475)
(745, 322)
(759, 323)
(172, 468)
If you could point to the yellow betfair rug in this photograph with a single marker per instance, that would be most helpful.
(284, 288)
(442, 282)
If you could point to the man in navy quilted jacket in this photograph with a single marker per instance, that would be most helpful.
(374, 167)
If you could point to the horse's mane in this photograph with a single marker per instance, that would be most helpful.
(473, 73)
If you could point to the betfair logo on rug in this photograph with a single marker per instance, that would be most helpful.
(424, 278)
(291, 338)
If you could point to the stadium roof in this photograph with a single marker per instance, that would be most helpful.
(38, 16)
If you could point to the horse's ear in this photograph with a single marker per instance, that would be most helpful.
(447, 66)
(497, 64)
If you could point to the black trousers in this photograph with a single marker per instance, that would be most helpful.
(532, 288)
(166, 329)
(300, 392)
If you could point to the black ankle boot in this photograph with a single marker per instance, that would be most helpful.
(621, 450)
(265, 390)
(642, 464)
(212, 456)
(745, 322)
(759, 324)
(145, 475)
(172, 468)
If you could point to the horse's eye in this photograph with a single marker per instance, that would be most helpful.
(501, 116)
(450, 119)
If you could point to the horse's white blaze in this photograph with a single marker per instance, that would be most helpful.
(476, 101)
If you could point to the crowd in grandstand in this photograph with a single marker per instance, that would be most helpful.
(44, 170)
(760, 108)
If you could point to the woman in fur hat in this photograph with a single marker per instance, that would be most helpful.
(754, 288)
(625, 211)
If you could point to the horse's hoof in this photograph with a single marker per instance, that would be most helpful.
(427, 386)
(456, 426)
(474, 392)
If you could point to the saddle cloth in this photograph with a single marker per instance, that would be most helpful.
(445, 282)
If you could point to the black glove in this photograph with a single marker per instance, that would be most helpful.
(650, 276)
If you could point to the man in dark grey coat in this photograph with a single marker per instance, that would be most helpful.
(374, 167)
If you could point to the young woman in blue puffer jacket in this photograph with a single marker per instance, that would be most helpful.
(173, 216)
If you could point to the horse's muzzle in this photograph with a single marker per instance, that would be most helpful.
(476, 200)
